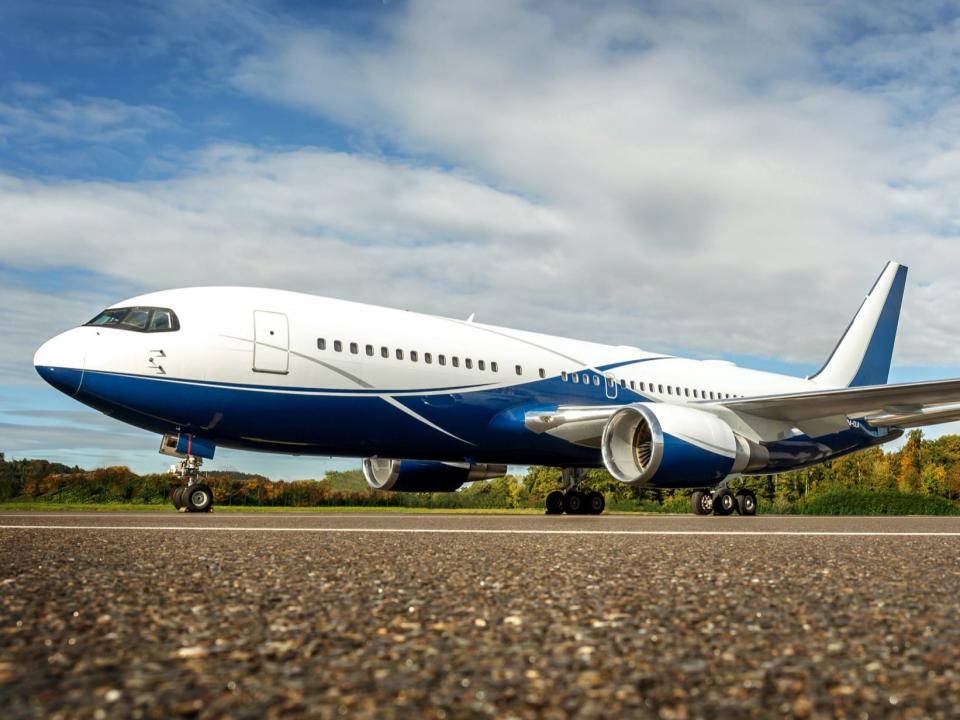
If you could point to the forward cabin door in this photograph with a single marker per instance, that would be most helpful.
(271, 347)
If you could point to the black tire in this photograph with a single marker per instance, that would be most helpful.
(555, 503)
(574, 502)
(595, 502)
(702, 502)
(746, 502)
(723, 502)
(199, 498)
(177, 497)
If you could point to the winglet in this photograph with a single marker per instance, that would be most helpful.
(862, 357)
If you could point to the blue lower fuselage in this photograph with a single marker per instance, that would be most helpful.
(476, 425)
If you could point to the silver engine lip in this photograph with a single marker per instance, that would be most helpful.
(618, 434)
(370, 473)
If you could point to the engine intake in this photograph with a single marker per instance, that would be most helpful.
(425, 475)
(671, 446)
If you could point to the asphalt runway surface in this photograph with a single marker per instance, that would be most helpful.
(121, 615)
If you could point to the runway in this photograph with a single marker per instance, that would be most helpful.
(403, 615)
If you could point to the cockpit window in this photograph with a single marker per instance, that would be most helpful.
(136, 319)
(109, 317)
(139, 319)
(160, 321)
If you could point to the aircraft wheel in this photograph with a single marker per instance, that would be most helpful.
(199, 498)
(702, 502)
(746, 502)
(175, 495)
(595, 502)
(723, 502)
(574, 502)
(555, 503)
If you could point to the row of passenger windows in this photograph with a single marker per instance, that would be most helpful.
(415, 355)
(469, 363)
(659, 388)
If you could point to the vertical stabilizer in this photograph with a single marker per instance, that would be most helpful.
(862, 357)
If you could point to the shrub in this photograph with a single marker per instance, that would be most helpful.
(849, 501)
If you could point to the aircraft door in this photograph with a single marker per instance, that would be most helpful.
(271, 347)
(610, 385)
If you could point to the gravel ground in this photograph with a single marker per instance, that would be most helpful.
(161, 623)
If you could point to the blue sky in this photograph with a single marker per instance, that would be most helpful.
(718, 179)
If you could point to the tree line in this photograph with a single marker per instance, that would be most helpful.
(927, 470)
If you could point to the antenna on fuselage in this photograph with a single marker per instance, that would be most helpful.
(472, 316)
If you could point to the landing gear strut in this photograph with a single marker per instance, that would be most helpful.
(193, 495)
(723, 502)
(572, 500)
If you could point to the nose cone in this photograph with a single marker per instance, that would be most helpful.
(59, 361)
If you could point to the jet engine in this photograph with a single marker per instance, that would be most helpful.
(656, 445)
(425, 475)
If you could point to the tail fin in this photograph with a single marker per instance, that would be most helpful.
(862, 357)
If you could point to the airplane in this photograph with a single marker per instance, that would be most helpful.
(432, 403)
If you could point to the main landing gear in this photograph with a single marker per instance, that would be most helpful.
(572, 500)
(724, 502)
(193, 495)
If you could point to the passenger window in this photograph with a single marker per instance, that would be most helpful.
(369, 350)
(519, 370)
(468, 363)
(337, 345)
(586, 379)
(354, 348)
(633, 385)
(321, 344)
(399, 354)
(686, 392)
(575, 378)
(384, 352)
(493, 366)
(442, 359)
(543, 373)
(455, 361)
(481, 365)
(694, 392)
(669, 390)
(413, 356)
(563, 375)
(596, 380)
(660, 389)
(428, 358)
(623, 383)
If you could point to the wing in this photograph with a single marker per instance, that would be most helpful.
(904, 405)
(900, 405)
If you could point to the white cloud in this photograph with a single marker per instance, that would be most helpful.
(725, 180)
(697, 178)
(34, 116)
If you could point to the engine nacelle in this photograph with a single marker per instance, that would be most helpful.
(425, 475)
(656, 445)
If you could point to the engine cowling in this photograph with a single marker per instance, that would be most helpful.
(657, 445)
(425, 475)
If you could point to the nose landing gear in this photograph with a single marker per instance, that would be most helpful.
(572, 500)
(193, 495)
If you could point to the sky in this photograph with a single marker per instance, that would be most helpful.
(710, 178)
